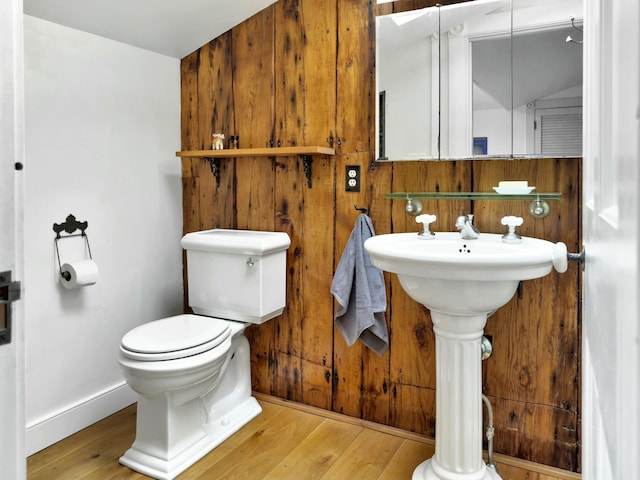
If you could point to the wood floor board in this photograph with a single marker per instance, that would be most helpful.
(286, 441)
(365, 458)
(317, 453)
(80, 454)
(262, 451)
(407, 458)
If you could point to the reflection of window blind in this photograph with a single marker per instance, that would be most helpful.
(561, 134)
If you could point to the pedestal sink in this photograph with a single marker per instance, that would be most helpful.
(461, 282)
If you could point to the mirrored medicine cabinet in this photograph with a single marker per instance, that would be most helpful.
(480, 79)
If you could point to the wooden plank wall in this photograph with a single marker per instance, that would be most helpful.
(302, 72)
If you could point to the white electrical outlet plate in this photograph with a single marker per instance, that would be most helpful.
(352, 178)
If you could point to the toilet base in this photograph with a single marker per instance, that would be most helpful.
(213, 434)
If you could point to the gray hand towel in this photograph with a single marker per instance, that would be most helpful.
(359, 288)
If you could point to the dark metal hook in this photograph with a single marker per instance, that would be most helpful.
(360, 209)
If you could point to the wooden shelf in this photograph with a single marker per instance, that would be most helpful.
(214, 156)
(257, 152)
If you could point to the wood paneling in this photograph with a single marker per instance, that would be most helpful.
(305, 46)
(254, 80)
(355, 106)
(302, 73)
(534, 374)
(361, 377)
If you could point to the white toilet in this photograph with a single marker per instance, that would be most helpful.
(192, 372)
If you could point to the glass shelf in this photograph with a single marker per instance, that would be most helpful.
(472, 196)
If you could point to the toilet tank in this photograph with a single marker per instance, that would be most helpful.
(237, 274)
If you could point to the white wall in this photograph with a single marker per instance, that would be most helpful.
(405, 76)
(495, 124)
(102, 128)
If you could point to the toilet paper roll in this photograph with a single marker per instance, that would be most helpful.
(79, 274)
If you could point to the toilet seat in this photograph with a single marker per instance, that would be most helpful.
(174, 337)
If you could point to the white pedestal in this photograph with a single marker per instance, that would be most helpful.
(458, 453)
(425, 471)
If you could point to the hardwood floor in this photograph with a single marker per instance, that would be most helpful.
(287, 441)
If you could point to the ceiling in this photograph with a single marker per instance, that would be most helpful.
(544, 63)
(170, 27)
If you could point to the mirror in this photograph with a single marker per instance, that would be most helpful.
(488, 78)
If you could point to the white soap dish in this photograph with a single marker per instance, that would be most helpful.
(514, 190)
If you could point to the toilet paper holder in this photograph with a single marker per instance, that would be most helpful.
(70, 226)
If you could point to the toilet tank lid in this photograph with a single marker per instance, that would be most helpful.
(251, 242)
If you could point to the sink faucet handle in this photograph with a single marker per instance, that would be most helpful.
(425, 219)
(512, 222)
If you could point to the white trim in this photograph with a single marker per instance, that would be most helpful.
(596, 465)
(47, 431)
(12, 355)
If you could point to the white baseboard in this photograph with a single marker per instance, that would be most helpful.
(46, 432)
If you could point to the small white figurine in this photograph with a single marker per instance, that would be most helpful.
(218, 141)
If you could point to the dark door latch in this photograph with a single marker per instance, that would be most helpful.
(9, 292)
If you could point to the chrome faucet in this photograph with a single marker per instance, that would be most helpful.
(464, 224)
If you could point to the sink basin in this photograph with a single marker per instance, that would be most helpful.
(456, 276)
(461, 282)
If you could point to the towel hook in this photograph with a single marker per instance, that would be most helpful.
(569, 38)
(360, 209)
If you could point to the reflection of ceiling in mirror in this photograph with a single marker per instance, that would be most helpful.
(400, 29)
(544, 64)
(531, 3)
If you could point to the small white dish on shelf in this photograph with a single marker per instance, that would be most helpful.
(514, 190)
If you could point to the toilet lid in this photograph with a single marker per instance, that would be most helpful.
(175, 337)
